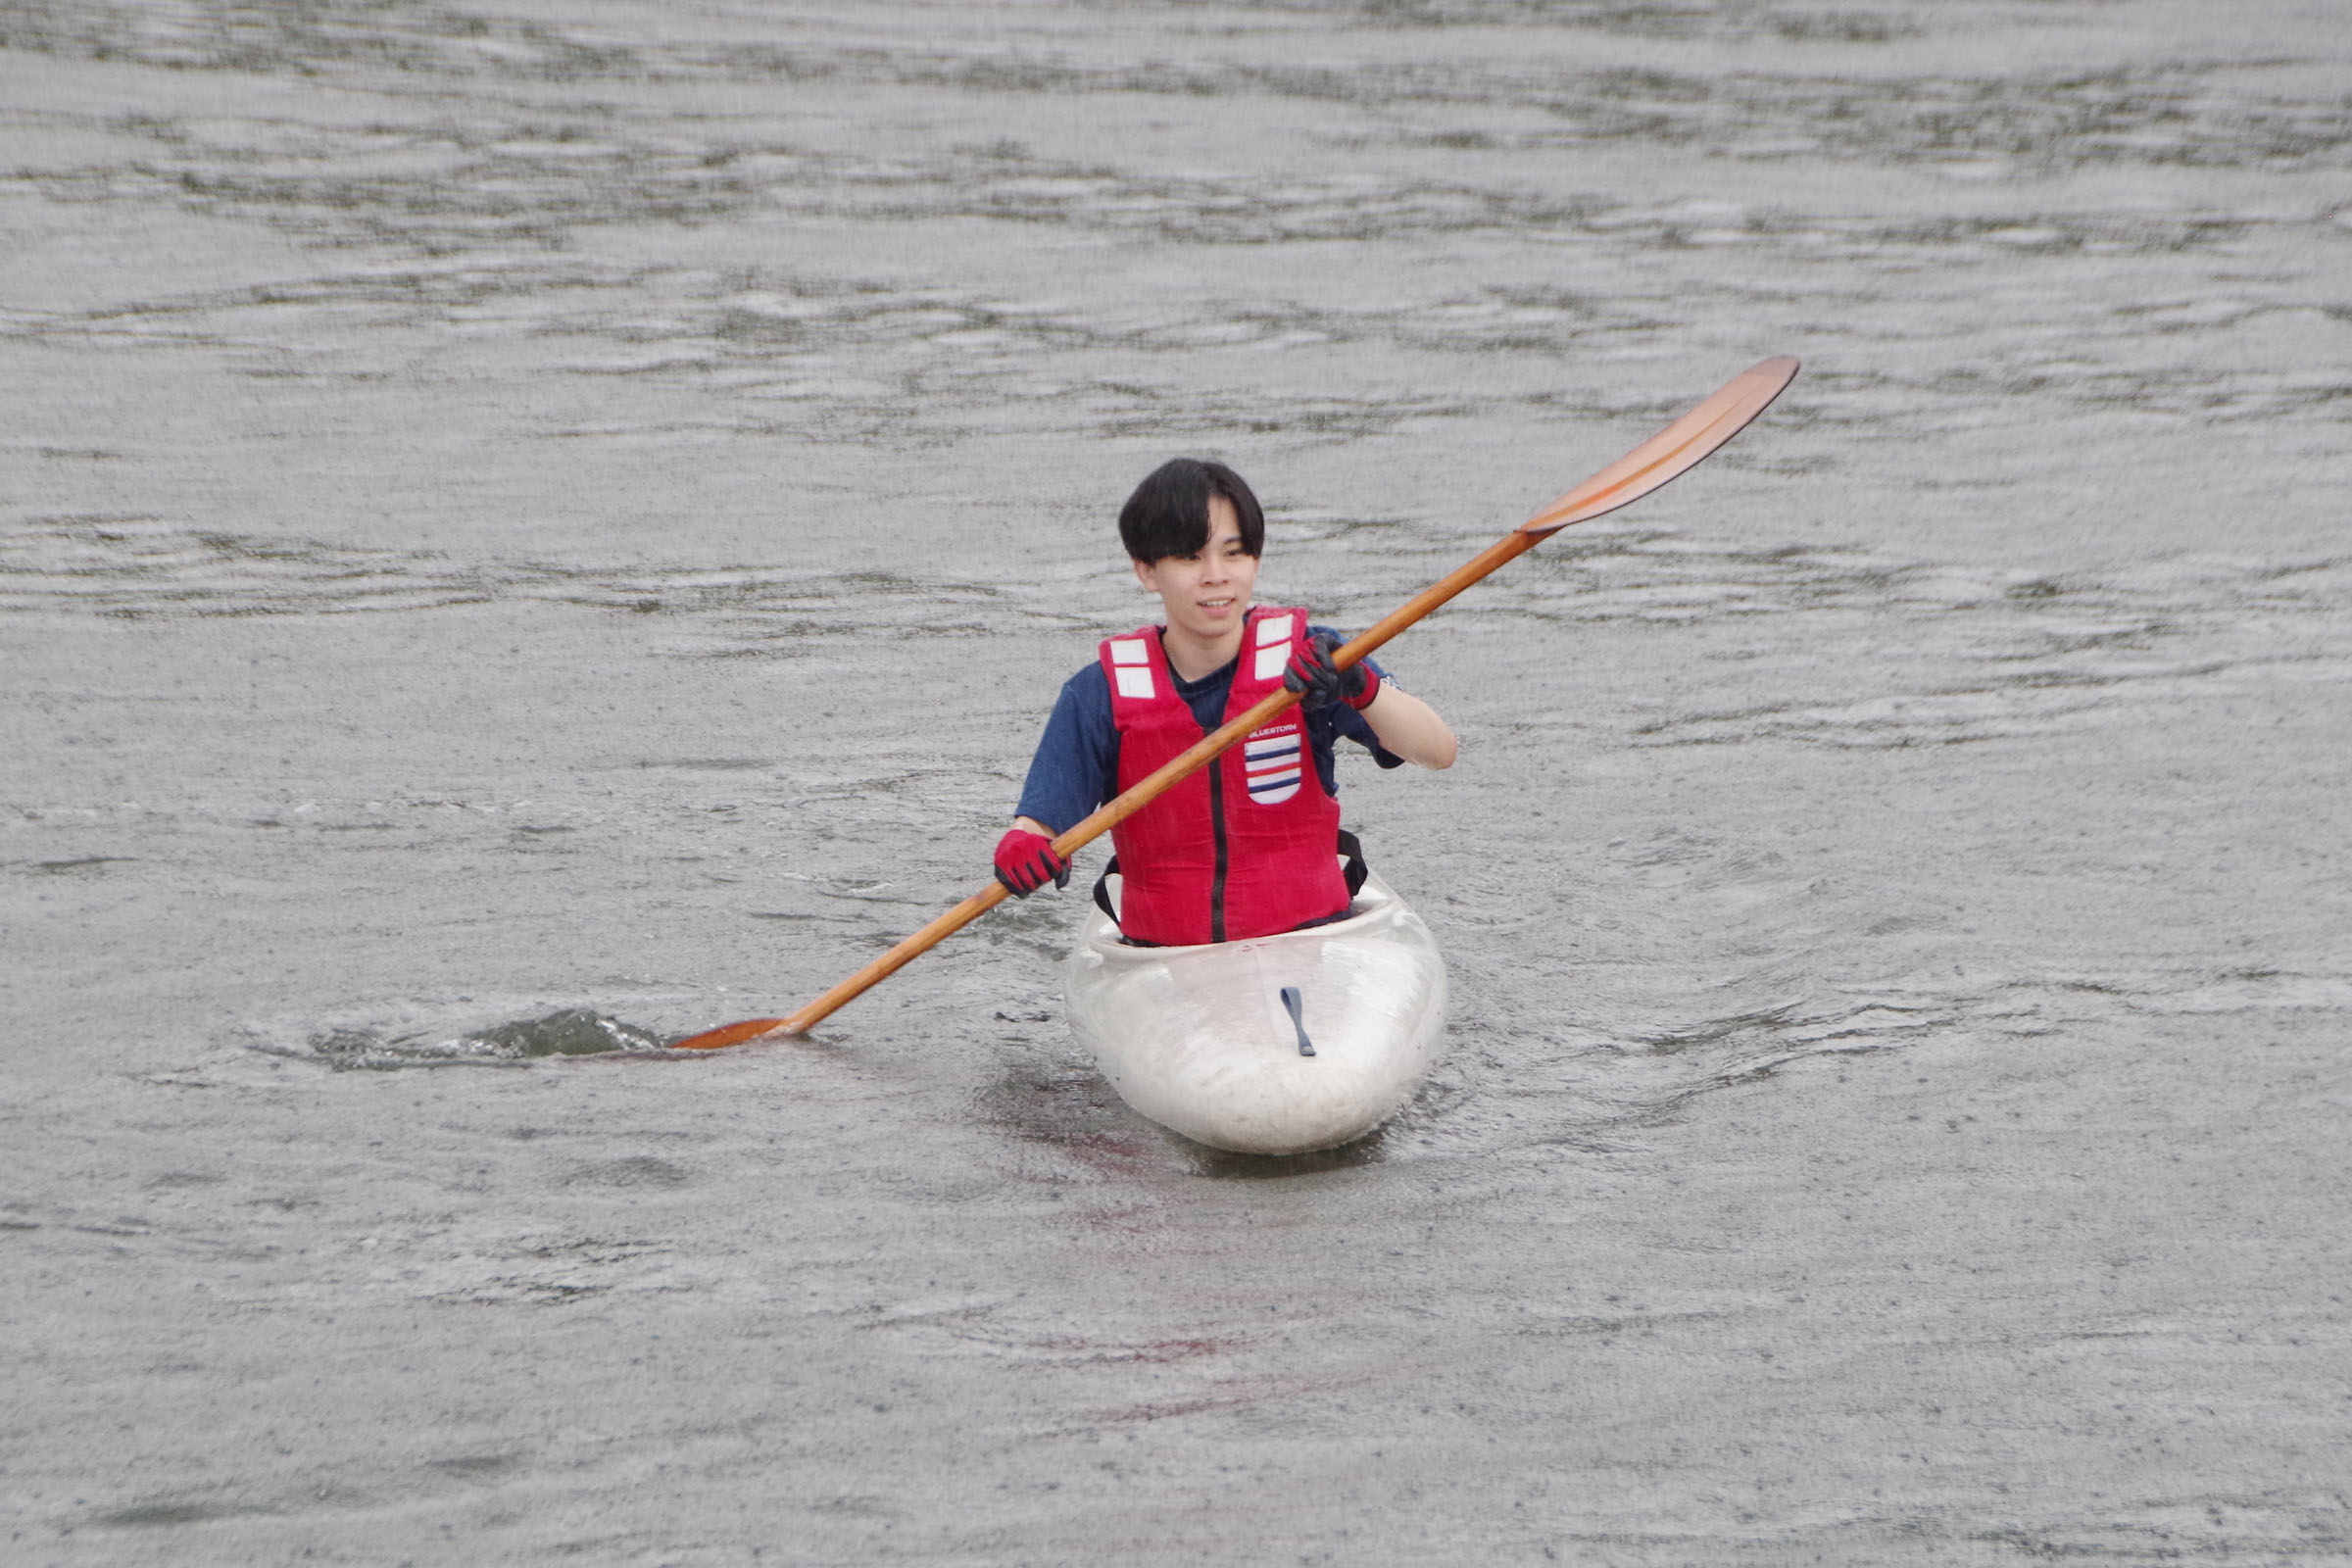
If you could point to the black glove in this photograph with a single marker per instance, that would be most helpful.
(1313, 675)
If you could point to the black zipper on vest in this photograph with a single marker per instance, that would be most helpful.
(1216, 825)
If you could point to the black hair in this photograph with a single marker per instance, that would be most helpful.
(1169, 514)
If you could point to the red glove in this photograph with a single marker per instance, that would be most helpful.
(1317, 681)
(1025, 860)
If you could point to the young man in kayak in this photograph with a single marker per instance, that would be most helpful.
(1249, 845)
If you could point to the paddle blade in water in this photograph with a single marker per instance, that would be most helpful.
(734, 1034)
(1673, 451)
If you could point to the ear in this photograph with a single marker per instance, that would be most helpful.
(1146, 576)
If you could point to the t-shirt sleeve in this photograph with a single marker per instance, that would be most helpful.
(1076, 768)
(1346, 720)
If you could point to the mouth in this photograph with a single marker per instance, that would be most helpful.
(1215, 606)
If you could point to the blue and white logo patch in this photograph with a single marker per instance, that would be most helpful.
(1274, 762)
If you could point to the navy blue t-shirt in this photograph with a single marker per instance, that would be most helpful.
(1077, 763)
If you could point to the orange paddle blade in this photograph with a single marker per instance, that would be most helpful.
(734, 1034)
(1673, 451)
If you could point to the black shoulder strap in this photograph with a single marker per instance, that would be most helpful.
(1352, 847)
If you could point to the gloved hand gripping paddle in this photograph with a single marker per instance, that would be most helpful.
(1318, 683)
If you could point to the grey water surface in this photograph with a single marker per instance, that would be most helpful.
(530, 527)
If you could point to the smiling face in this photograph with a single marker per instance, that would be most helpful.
(1206, 595)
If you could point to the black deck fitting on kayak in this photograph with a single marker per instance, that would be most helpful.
(1297, 1008)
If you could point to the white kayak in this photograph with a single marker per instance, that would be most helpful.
(1202, 1040)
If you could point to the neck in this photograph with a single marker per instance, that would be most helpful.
(1191, 656)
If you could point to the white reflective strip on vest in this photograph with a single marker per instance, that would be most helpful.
(1270, 661)
(1130, 650)
(1274, 629)
(1133, 682)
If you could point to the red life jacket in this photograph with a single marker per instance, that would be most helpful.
(1247, 846)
